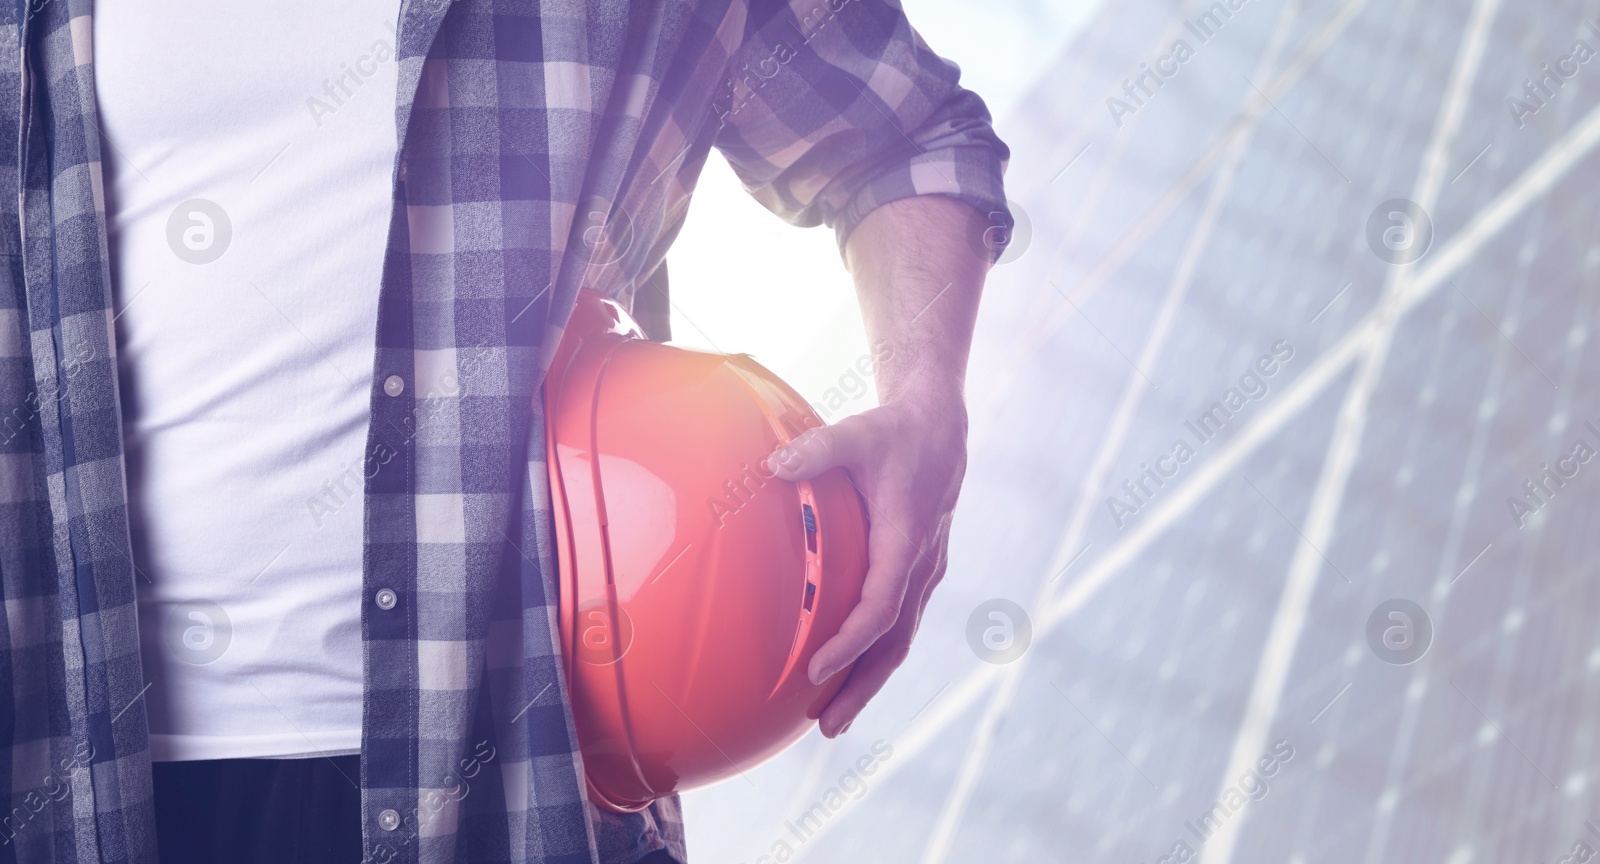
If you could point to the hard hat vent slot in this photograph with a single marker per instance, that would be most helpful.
(811, 592)
(811, 526)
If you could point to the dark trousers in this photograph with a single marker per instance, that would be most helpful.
(265, 811)
(259, 811)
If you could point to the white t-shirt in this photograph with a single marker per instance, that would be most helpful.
(246, 325)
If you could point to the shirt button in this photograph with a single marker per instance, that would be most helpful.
(394, 385)
(385, 598)
(389, 820)
(402, 171)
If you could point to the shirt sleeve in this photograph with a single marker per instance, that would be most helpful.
(832, 108)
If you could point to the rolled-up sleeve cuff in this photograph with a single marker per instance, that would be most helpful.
(970, 173)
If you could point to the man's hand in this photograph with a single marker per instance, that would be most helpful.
(907, 461)
(919, 271)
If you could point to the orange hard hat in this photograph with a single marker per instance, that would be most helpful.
(694, 585)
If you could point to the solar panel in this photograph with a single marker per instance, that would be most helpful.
(1216, 670)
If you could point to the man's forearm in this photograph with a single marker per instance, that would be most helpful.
(919, 272)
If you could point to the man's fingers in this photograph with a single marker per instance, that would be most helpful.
(890, 559)
(880, 661)
(866, 679)
(813, 452)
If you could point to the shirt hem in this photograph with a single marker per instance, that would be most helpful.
(192, 748)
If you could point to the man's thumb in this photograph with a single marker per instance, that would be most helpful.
(815, 451)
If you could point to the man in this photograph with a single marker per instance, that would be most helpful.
(308, 578)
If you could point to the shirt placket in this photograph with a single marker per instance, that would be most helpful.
(392, 821)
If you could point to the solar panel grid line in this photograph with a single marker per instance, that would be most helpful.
(977, 749)
(950, 817)
(1196, 730)
(936, 848)
(1541, 33)
(1153, 724)
(1453, 544)
(1419, 430)
(1416, 435)
(1402, 518)
(1106, 178)
(1129, 793)
(1214, 552)
(1081, 62)
(1442, 592)
(805, 791)
(1495, 784)
(1570, 367)
(1302, 830)
(1279, 653)
(1166, 728)
(1342, 780)
(1053, 99)
(1547, 744)
(1543, 36)
(1517, 775)
(1574, 817)
(1180, 687)
(1117, 788)
(1506, 720)
(1404, 844)
(917, 739)
(1202, 557)
(1578, 211)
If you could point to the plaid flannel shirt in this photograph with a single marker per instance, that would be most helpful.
(544, 147)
